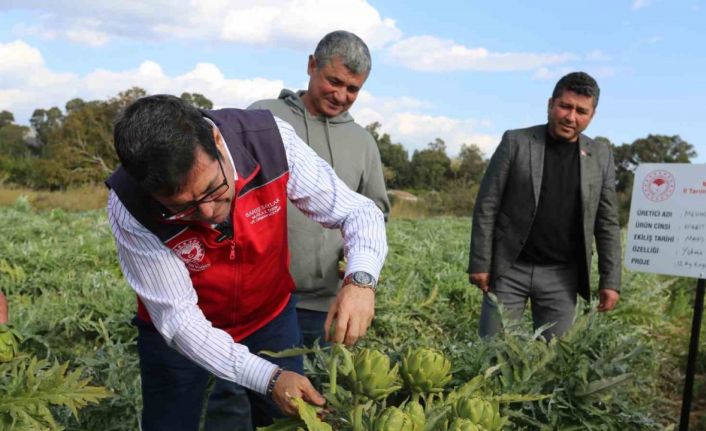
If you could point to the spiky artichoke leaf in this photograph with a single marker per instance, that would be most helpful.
(309, 414)
(31, 385)
(518, 398)
(288, 353)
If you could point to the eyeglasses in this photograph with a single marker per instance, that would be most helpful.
(191, 208)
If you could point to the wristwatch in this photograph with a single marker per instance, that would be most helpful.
(361, 279)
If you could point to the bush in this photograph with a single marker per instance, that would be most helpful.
(457, 200)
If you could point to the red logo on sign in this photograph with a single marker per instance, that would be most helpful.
(658, 185)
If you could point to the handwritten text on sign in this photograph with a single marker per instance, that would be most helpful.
(667, 227)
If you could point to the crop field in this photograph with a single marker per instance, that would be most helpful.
(76, 367)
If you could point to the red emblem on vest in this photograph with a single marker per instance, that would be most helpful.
(191, 252)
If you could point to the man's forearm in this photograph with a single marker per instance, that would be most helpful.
(366, 247)
(215, 351)
(316, 190)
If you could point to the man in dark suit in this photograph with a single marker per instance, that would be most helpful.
(547, 192)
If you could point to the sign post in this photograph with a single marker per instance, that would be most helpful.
(691, 362)
(667, 235)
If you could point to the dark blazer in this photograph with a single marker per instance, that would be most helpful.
(509, 195)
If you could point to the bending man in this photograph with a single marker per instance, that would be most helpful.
(198, 211)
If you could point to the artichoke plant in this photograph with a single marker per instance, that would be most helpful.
(373, 377)
(393, 419)
(425, 371)
(8, 344)
(481, 412)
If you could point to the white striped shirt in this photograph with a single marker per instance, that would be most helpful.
(162, 281)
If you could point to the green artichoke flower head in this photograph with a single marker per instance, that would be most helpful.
(374, 378)
(393, 419)
(481, 412)
(415, 411)
(425, 370)
(9, 344)
(460, 424)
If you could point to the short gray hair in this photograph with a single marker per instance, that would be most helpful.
(350, 48)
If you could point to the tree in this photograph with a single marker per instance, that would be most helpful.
(14, 152)
(80, 150)
(471, 164)
(6, 118)
(197, 100)
(44, 121)
(12, 142)
(124, 98)
(438, 145)
(74, 105)
(431, 168)
(394, 157)
(662, 149)
(652, 149)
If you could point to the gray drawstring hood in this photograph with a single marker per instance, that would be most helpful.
(294, 101)
(353, 154)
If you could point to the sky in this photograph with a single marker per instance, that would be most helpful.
(463, 71)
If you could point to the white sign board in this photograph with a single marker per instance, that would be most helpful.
(667, 228)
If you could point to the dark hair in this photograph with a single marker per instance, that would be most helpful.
(351, 49)
(156, 138)
(580, 83)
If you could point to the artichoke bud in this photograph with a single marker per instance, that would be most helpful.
(374, 378)
(8, 344)
(470, 408)
(480, 412)
(460, 424)
(393, 419)
(425, 370)
(415, 411)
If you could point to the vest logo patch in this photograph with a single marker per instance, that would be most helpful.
(191, 252)
(260, 213)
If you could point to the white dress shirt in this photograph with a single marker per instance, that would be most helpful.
(162, 281)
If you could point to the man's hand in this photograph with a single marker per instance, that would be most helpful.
(480, 279)
(289, 385)
(608, 299)
(353, 309)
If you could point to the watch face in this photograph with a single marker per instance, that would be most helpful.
(362, 277)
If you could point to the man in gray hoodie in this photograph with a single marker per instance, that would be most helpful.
(337, 70)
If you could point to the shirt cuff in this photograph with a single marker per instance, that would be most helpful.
(365, 262)
(256, 373)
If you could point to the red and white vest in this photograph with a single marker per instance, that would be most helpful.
(243, 282)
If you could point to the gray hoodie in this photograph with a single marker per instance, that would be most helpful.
(353, 154)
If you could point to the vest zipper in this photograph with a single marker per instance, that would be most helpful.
(236, 281)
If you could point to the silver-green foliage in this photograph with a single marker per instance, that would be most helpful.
(605, 374)
(30, 387)
(69, 302)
